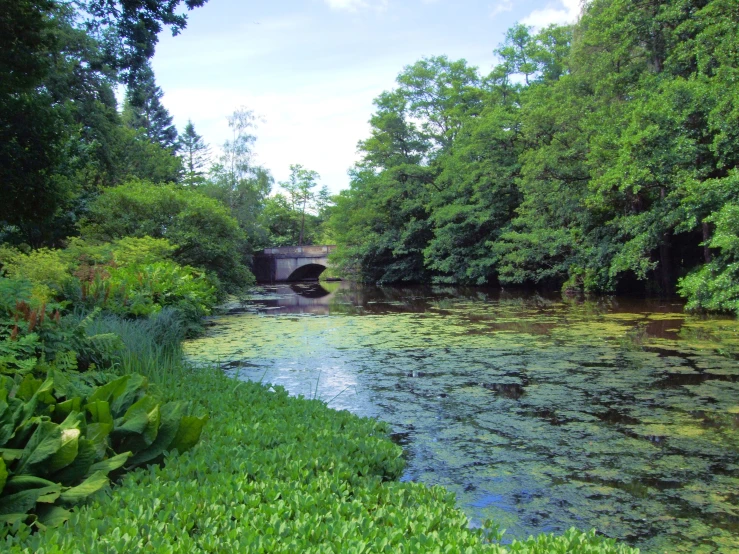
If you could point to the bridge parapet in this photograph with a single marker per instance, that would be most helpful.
(299, 251)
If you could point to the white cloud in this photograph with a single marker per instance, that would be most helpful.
(563, 12)
(354, 5)
(502, 6)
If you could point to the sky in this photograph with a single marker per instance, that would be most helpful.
(310, 69)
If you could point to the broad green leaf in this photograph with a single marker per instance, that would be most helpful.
(12, 519)
(28, 387)
(44, 443)
(67, 453)
(188, 433)
(52, 516)
(100, 411)
(74, 420)
(89, 486)
(133, 424)
(111, 464)
(11, 454)
(81, 466)
(63, 409)
(18, 483)
(170, 422)
(135, 389)
(109, 391)
(98, 433)
(24, 501)
(146, 403)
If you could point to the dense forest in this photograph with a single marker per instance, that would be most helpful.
(599, 157)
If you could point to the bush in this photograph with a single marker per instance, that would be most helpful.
(125, 251)
(139, 290)
(33, 335)
(48, 270)
(202, 230)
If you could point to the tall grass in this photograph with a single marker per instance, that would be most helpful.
(150, 346)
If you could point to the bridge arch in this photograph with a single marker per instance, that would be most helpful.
(307, 272)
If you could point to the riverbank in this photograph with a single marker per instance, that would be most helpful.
(275, 473)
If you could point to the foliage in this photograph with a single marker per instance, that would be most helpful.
(129, 29)
(715, 286)
(203, 232)
(143, 109)
(596, 156)
(60, 439)
(47, 269)
(140, 290)
(278, 474)
(195, 155)
(33, 333)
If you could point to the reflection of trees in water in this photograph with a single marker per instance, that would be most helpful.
(309, 290)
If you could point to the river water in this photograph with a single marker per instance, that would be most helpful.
(539, 412)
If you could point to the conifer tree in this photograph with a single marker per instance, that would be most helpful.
(195, 154)
(143, 110)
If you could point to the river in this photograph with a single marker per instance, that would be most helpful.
(539, 412)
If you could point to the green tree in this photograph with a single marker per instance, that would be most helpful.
(201, 228)
(299, 188)
(195, 155)
(129, 29)
(143, 109)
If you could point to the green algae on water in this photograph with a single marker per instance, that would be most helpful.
(540, 413)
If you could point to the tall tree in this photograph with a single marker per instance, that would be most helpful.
(236, 181)
(195, 155)
(143, 109)
(299, 187)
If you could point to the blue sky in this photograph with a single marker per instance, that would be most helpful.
(311, 68)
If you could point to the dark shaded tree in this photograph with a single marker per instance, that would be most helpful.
(144, 110)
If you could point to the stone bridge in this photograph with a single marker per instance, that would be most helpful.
(291, 263)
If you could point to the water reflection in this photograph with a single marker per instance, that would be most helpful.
(538, 411)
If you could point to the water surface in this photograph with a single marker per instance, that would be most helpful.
(538, 412)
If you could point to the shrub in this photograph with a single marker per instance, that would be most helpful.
(202, 230)
(48, 270)
(34, 335)
(124, 251)
(141, 290)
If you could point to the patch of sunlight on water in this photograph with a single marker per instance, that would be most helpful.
(538, 412)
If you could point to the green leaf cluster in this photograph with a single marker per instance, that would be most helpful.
(59, 440)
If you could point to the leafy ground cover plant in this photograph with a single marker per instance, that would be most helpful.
(278, 474)
(60, 438)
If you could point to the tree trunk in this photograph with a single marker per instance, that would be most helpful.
(664, 257)
(302, 226)
(706, 237)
